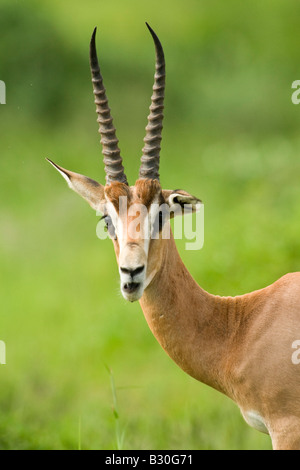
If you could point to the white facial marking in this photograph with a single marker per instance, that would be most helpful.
(133, 227)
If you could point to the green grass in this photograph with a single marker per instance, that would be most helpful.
(231, 137)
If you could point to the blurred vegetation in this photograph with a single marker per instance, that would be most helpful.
(231, 137)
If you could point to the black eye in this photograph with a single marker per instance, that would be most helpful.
(109, 226)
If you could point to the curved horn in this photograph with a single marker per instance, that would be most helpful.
(149, 168)
(112, 158)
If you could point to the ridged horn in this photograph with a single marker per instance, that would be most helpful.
(112, 158)
(149, 168)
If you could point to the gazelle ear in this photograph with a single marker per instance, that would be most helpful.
(181, 202)
(87, 188)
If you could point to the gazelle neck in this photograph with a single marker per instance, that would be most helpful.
(189, 323)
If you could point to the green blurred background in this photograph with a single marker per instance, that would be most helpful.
(231, 137)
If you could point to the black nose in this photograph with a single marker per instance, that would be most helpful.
(132, 272)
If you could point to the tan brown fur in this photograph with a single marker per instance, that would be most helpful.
(148, 190)
(241, 346)
(115, 190)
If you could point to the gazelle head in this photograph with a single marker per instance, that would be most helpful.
(135, 216)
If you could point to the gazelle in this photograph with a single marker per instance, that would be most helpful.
(241, 346)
